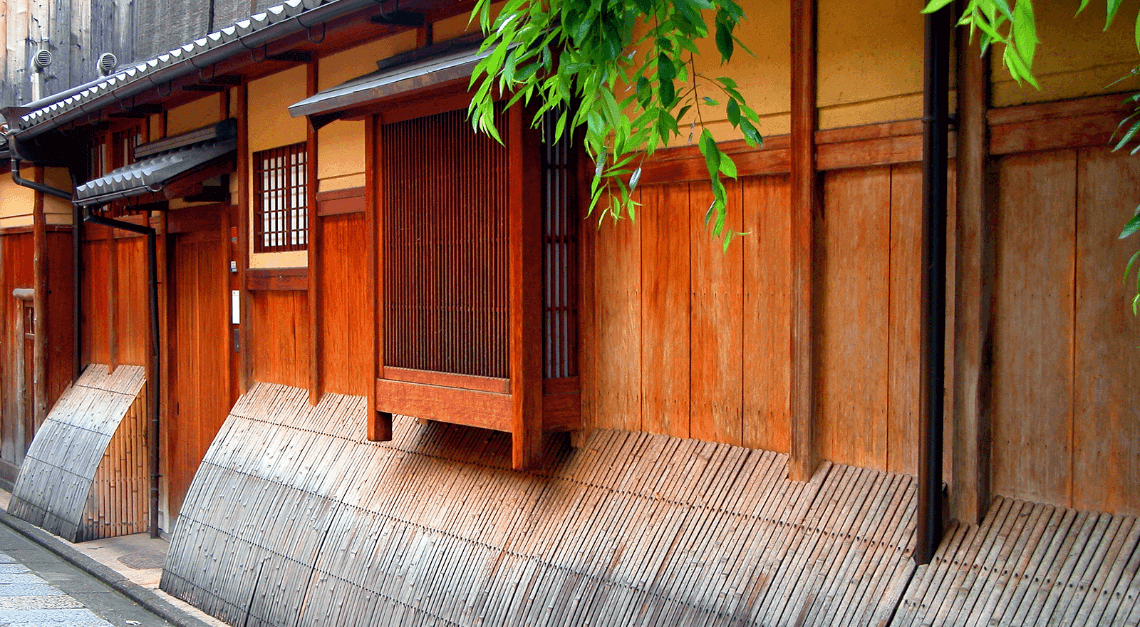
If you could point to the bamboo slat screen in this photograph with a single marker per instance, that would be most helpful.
(280, 208)
(559, 255)
(445, 246)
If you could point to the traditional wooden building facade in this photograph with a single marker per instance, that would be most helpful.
(326, 226)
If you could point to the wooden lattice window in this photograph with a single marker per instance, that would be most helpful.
(559, 255)
(445, 244)
(280, 206)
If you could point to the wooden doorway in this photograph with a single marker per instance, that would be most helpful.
(198, 332)
(25, 377)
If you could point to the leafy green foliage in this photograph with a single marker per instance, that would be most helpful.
(622, 73)
(1016, 30)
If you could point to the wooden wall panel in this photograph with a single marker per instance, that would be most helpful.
(717, 323)
(904, 351)
(280, 348)
(853, 318)
(95, 316)
(344, 328)
(1106, 390)
(16, 273)
(617, 361)
(767, 311)
(1033, 355)
(132, 324)
(60, 305)
(665, 393)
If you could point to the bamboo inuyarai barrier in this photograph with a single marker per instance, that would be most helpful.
(295, 519)
(85, 474)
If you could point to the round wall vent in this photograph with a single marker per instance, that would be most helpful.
(42, 59)
(107, 63)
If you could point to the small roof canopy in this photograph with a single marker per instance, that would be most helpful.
(164, 161)
(413, 71)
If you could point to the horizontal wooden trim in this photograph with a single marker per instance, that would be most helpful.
(1113, 103)
(562, 412)
(451, 405)
(678, 165)
(23, 293)
(883, 130)
(1070, 124)
(49, 228)
(340, 202)
(447, 379)
(283, 279)
(566, 385)
(194, 219)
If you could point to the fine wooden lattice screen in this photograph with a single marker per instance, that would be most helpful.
(280, 209)
(445, 210)
(560, 256)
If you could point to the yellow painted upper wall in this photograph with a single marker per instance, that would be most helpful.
(193, 115)
(340, 145)
(17, 202)
(1075, 57)
(869, 62)
(270, 126)
(764, 79)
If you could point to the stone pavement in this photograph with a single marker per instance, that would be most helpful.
(37, 588)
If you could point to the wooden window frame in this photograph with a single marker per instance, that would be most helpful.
(290, 183)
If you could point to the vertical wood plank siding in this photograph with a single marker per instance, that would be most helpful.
(445, 246)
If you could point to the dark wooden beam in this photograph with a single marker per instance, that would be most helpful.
(277, 279)
(973, 292)
(379, 421)
(245, 372)
(314, 248)
(39, 299)
(805, 202)
(525, 289)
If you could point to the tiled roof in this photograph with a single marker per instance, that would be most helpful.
(139, 71)
(150, 174)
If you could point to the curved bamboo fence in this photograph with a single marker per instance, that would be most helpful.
(85, 474)
(294, 519)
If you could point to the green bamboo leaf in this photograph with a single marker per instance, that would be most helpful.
(723, 40)
(1130, 228)
(727, 167)
(1113, 7)
(1138, 31)
(1128, 136)
(727, 242)
(1128, 268)
(733, 111)
(1003, 6)
(935, 5)
(1025, 31)
(1084, 3)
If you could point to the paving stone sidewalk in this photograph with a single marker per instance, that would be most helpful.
(39, 589)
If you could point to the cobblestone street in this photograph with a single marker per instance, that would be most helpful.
(37, 588)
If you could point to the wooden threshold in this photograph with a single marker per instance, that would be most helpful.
(448, 379)
(473, 408)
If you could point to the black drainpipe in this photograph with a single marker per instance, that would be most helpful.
(153, 386)
(935, 126)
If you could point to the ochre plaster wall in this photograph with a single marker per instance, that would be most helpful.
(340, 145)
(16, 202)
(270, 126)
(193, 115)
(1075, 57)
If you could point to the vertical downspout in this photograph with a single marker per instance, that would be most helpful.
(154, 377)
(935, 119)
(77, 287)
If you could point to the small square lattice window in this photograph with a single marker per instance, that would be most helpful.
(280, 210)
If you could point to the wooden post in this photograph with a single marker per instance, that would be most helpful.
(245, 372)
(39, 274)
(805, 200)
(112, 302)
(315, 348)
(974, 292)
(525, 280)
(379, 423)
